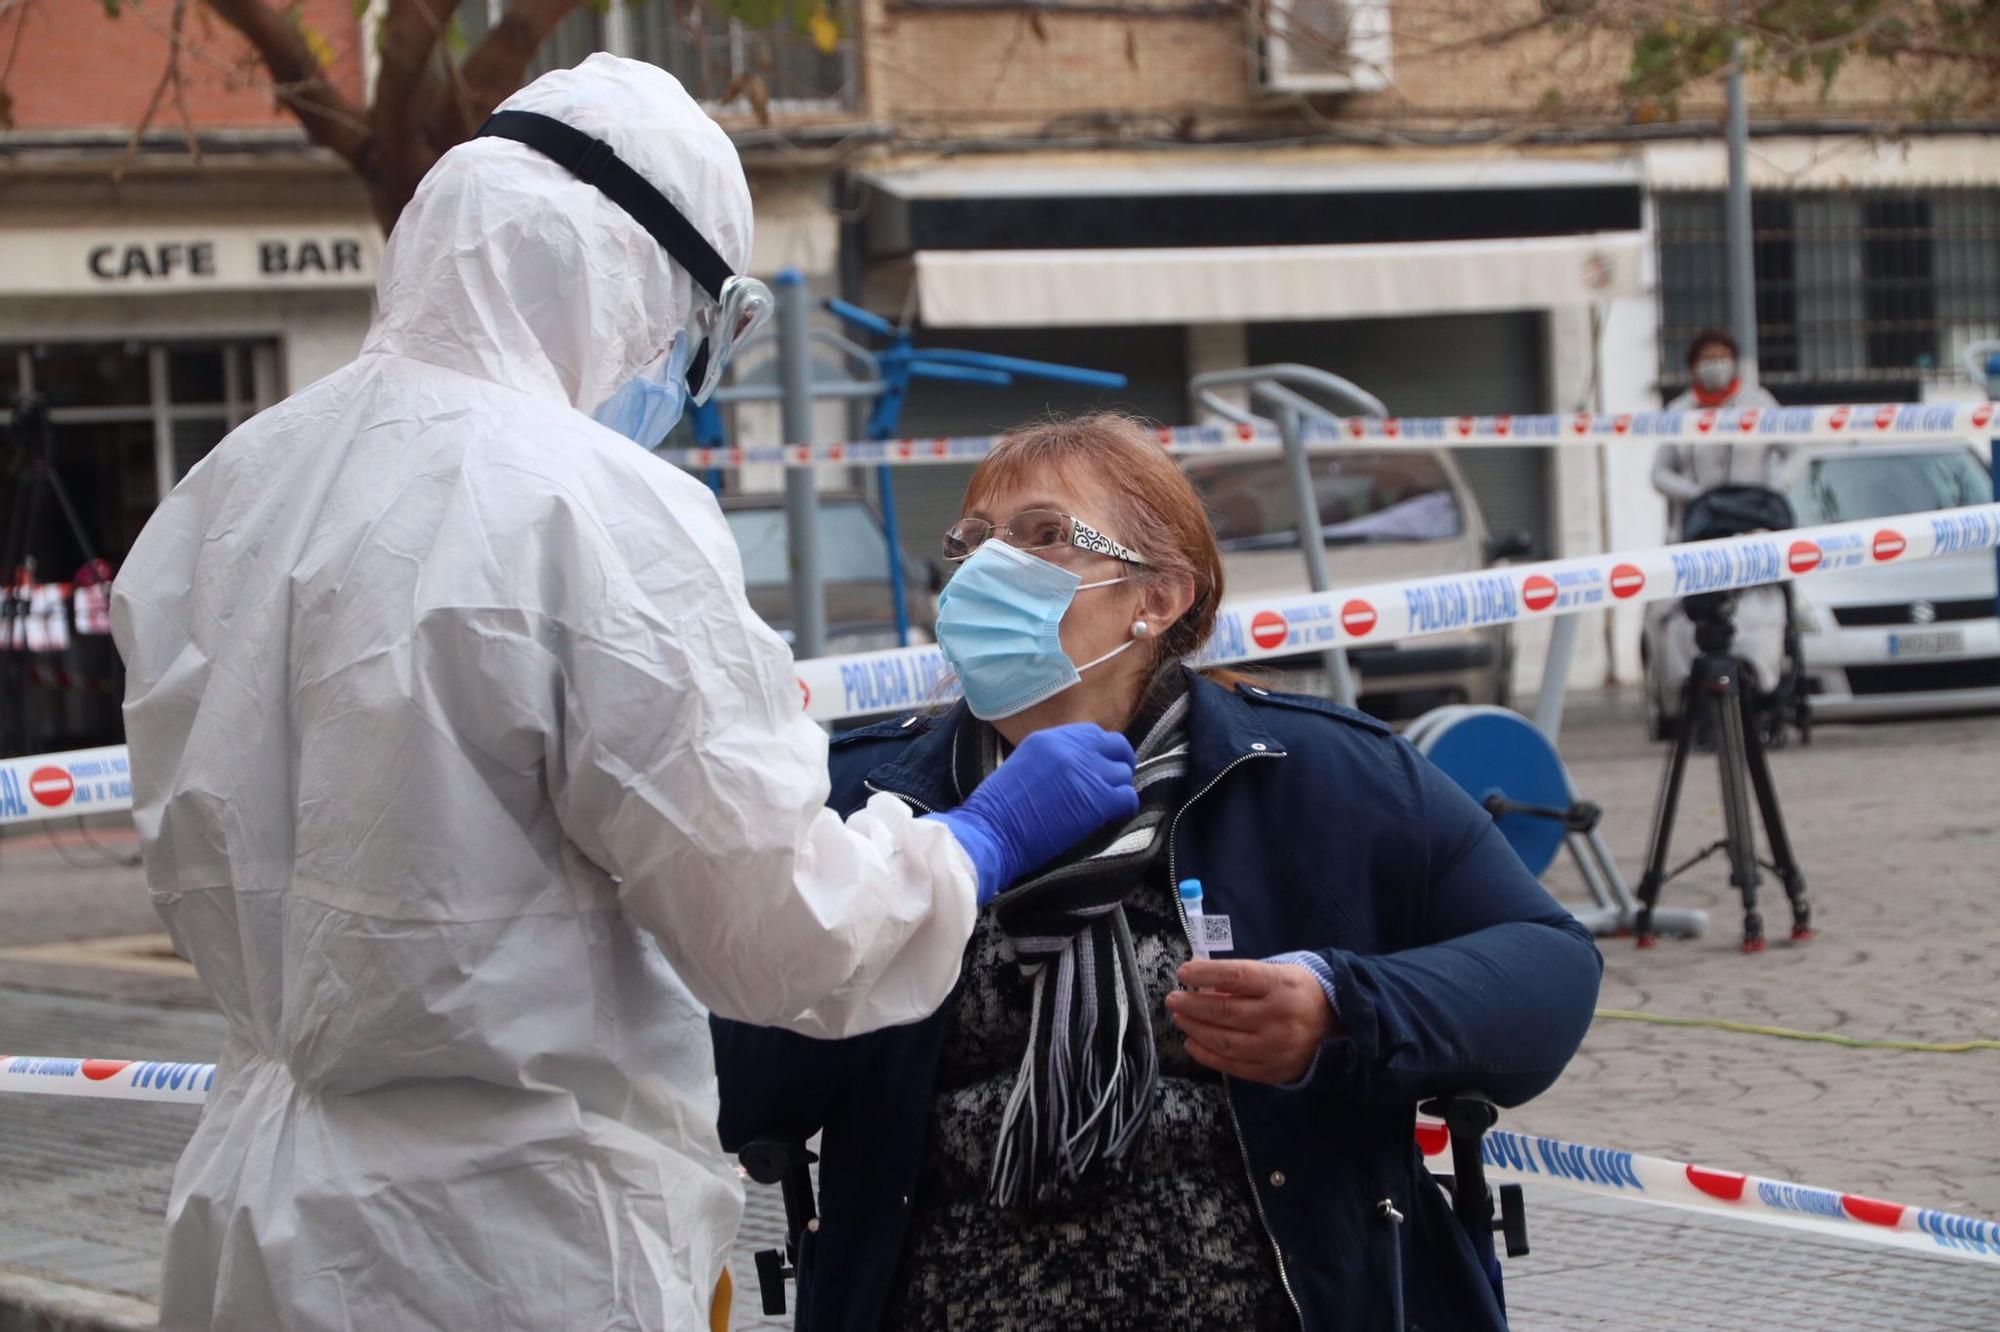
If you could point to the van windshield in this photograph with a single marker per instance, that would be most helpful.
(851, 545)
(1839, 488)
(1363, 498)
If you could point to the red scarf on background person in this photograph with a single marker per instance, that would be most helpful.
(1707, 399)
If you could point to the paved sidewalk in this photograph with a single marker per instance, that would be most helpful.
(86, 1183)
(1897, 828)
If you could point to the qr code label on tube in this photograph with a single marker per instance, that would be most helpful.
(1212, 933)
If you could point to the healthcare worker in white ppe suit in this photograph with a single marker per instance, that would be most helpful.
(469, 781)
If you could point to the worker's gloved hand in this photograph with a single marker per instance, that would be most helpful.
(1057, 788)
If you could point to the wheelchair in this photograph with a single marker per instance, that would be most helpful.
(1467, 1116)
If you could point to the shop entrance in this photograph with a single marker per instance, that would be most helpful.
(126, 420)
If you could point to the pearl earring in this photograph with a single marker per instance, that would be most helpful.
(1140, 629)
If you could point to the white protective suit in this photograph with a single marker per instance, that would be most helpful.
(467, 778)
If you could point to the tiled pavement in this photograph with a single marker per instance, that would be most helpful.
(1897, 834)
(83, 1185)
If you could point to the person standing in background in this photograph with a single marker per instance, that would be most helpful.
(1683, 471)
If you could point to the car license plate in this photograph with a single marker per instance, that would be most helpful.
(1943, 643)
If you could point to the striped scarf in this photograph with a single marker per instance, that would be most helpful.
(1087, 1079)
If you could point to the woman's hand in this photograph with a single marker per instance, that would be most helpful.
(1259, 1021)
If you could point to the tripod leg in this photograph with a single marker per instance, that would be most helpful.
(1664, 810)
(1739, 832)
(1789, 874)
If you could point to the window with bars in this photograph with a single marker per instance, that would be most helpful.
(707, 51)
(1860, 294)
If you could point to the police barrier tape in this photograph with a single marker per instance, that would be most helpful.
(1601, 1170)
(107, 1079)
(1620, 1174)
(1876, 423)
(1262, 628)
(47, 786)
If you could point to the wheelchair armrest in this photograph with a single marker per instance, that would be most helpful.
(788, 1164)
(769, 1160)
(1467, 1115)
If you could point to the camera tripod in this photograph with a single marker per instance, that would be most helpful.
(1717, 698)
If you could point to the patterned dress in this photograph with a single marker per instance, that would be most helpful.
(1175, 1246)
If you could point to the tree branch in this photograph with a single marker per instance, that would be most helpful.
(411, 31)
(19, 9)
(170, 77)
(330, 118)
(494, 68)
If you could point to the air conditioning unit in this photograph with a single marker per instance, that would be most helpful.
(1322, 46)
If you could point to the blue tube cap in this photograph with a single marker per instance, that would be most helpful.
(1190, 890)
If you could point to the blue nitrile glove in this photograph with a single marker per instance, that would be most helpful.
(1057, 788)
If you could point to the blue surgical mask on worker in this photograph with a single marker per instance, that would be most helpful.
(650, 403)
(1000, 626)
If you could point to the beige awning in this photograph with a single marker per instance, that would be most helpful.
(1040, 288)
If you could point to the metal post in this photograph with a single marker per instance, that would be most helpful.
(892, 532)
(1312, 540)
(801, 494)
(1993, 448)
(1742, 267)
(1555, 675)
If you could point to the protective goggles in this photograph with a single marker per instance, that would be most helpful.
(1032, 530)
(736, 306)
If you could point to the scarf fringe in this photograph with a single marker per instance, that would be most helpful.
(1088, 1079)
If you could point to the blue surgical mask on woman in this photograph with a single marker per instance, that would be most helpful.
(1000, 626)
(650, 403)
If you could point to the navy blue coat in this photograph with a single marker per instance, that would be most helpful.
(1310, 827)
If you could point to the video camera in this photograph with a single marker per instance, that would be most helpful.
(1728, 511)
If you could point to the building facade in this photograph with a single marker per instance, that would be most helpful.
(1153, 187)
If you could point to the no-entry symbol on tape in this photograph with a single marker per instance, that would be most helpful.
(1357, 617)
(1889, 544)
(1268, 629)
(1538, 592)
(51, 787)
(1627, 580)
(1803, 557)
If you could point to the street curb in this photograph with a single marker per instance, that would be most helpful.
(31, 1303)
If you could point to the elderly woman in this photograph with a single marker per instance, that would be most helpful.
(1099, 1131)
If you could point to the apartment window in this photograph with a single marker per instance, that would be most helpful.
(1867, 293)
(711, 54)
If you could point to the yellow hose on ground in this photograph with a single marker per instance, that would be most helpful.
(1787, 1033)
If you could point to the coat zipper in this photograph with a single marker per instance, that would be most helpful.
(1386, 1209)
(1236, 1126)
(906, 799)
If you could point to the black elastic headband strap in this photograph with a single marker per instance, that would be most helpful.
(594, 162)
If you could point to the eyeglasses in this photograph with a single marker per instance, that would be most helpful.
(720, 327)
(1034, 529)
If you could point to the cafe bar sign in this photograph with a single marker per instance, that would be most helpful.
(141, 260)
